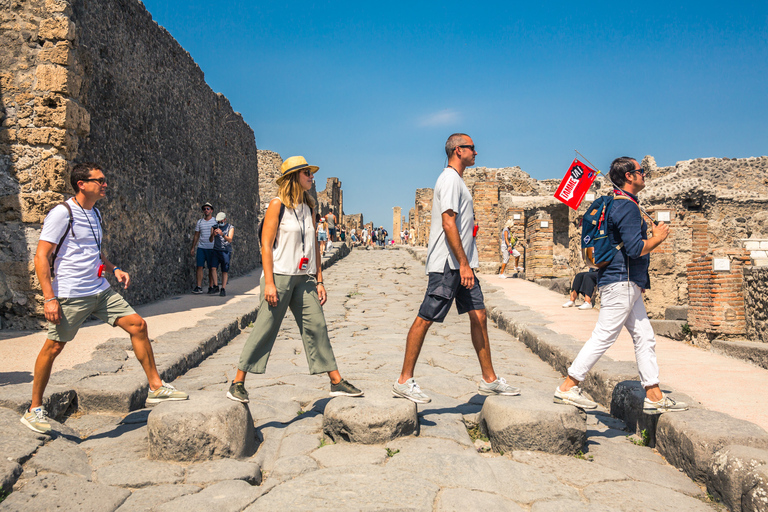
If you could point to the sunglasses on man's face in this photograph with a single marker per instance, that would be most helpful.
(100, 181)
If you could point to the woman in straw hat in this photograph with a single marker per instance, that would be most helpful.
(292, 278)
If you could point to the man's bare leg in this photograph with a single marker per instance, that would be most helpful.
(413, 344)
(142, 348)
(43, 365)
(213, 277)
(478, 323)
(199, 276)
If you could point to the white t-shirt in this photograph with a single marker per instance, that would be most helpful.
(451, 193)
(288, 253)
(204, 228)
(77, 264)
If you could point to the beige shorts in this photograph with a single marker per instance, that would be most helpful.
(107, 306)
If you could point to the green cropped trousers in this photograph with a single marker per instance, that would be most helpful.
(300, 294)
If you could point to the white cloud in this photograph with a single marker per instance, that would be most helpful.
(444, 117)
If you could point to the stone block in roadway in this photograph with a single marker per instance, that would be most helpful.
(735, 474)
(532, 421)
(369, 420)
(207, 426)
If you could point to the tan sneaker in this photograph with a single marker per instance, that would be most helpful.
(573, 397)
(165, 393)
(37, 420)
(666, 404)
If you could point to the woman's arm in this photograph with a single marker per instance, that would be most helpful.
(268, 235)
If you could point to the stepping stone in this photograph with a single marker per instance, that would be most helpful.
(533, 422)
(369, 420)
(205, 427)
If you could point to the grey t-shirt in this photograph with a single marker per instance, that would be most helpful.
(204, 228)
(451, 193)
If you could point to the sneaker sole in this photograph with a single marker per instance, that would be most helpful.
(492, 393)
(344, 393)
(656, 412)
(198, 293)
(32, 427)
(158, 400)
(233, 397)
(397, 394)
(565, 401)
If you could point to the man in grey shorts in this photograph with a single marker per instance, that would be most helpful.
(70, 246)
(451, 260)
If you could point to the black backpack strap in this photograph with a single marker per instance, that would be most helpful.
(66, 232)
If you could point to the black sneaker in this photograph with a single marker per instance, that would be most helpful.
(214, 290)
(238, 393)
(197, 290)
(344, 388)
(223, 293)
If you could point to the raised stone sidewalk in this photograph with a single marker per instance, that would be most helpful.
(100, 461)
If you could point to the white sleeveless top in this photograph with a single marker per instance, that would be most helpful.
(288, 253)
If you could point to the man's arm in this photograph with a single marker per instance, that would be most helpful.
(120, 275)
(660, 233)
(454, 242)
(194, 242)
(51, 305)
(231, 234)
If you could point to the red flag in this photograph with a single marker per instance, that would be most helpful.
(575, 184)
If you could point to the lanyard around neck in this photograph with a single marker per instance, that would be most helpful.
(93, 232)
(301, 225)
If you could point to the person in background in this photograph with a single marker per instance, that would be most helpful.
(202, 249)
(221, 236)
(583, 283)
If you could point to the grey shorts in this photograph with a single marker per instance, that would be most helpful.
(107, 306)
(443, 289)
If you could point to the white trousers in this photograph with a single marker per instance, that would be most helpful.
(621, 304)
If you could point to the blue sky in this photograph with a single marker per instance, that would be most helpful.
(370, 91)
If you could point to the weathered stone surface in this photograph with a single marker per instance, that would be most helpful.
(462, 500)
(140, 473)
(223, 469)
(533, 422)
(631, 496)
(754, 352)
(62, 456)
(570, 506)
(732, 471)
(115, 393)
(206, 426)
(369, 420)
(227, 496)
(357, 488)
(291, 467)
(526, 484)
(148, 498)
(757, 497)
(578, 473)
(670, 328)
(9, 473)
(51, 492)
(343, 454)
(298, 444)
(689, 439)
(116, 444)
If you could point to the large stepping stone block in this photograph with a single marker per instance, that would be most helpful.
(533, 422)
(369, 420)
(205, 427)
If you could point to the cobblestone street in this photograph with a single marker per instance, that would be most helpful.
(100, 462)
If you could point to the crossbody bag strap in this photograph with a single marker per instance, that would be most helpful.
(61, 241)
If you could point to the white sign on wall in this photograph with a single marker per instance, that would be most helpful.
(515, 216)
(663, 216)
(589, 197)
(723, 264)
(545, 224)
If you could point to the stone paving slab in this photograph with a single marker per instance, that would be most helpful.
(302, 469)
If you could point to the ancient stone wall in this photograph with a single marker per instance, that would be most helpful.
(396, 223)
(269, 171)
(101, 81)
(485, 195)
(423, 216)
(756, 302)
(538, 233)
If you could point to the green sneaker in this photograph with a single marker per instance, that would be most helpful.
(37, 420)
(344, 388)
(165, 393)
(238, 393)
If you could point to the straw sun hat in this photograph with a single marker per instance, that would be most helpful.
(294, 164)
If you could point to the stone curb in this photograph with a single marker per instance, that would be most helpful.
(108, 383)
(693, 441)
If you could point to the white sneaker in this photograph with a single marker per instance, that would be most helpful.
(520, 269)
(411, 391)
(586, 305)
(497, 387)
(502, 276)
(573, 397)
(569, 304)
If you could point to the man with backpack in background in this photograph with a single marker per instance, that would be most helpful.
(622, 282)
(70, 264)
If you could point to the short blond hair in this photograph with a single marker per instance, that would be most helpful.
(292, 194)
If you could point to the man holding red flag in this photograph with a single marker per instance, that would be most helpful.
(621, 285)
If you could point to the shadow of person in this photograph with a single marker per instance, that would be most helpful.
(8, 378)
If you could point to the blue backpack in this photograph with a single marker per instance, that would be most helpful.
(596, 248)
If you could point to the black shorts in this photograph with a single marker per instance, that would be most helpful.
(441, 291)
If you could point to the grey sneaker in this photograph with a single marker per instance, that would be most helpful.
(37, 420)
(165, 393)
(573, 397)
(238, 393)
(666, 404)
(497, 387)
(344, 388)
(410, 390)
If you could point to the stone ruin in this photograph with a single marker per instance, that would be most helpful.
(714, 262)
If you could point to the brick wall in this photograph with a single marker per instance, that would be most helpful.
(538, 232)
(485, 195)
(396, 223)
(423, 216)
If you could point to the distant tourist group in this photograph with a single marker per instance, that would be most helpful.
(70, 266)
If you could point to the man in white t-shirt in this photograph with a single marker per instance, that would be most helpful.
(70, 246)
(202, 250)
(451, 260)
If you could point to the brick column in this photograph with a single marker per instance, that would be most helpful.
(423, 215)
(485, 195)
(396, 226)
(715, 296)
(539, 252)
